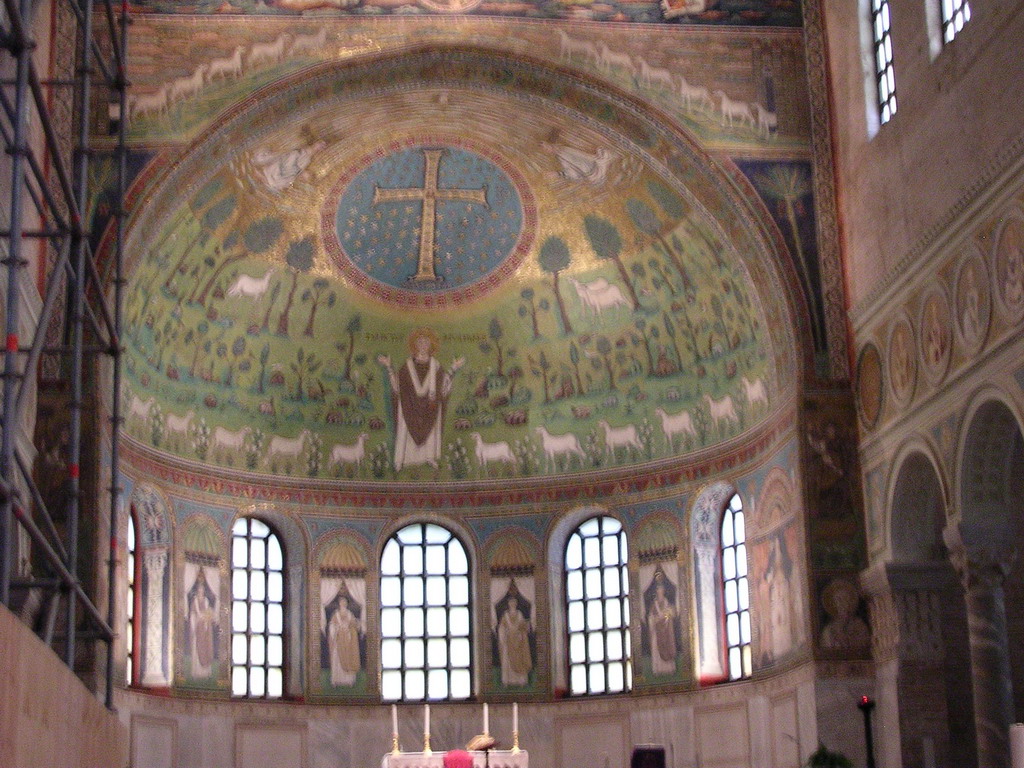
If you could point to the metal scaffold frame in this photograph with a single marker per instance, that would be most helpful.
(47, 200)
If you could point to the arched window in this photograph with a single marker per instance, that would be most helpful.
(597, 608)
(131, 598)
(425, 616)
(257, 610)
(736, 590)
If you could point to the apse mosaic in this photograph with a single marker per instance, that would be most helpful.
(531, 294)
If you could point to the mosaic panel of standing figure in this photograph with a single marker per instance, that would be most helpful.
(513, 615)
(150, 511)
(577, 330)
(778, 578)
(341, 617)
(203, 547)
(663, 655)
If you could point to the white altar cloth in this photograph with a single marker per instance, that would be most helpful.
(500, 758)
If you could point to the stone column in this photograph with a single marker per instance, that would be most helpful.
(155, 563)
(983, 568)
(905, 601)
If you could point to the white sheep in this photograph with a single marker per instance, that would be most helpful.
(287, 446)
(487, 452)
(620, 437)
(676, 424)
(555, 445)
(722, 410)
(755, 391)
(350, 454)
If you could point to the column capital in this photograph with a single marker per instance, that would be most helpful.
(983, 565)
(906, 610)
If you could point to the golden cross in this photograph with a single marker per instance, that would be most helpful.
(430, 194)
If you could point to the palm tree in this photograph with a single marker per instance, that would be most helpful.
(788, 184)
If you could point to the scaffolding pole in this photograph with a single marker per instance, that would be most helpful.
(48, 203)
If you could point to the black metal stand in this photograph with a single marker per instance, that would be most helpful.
(866, 705)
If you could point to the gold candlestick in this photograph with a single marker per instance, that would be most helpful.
(515, 742)
(394, 744)
(426, 744)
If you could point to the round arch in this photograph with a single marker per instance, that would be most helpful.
(916, 504)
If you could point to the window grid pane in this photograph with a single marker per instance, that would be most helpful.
(257, 633)
(955, 13)
(885, 77)
(598, 613)
(427, 650)
(130, 633)
(736, 590)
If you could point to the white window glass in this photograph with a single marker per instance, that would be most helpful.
(425, 616)
(597, 608)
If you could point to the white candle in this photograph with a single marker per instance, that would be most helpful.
(426, 719)
(1017, 745)
(515, 718)
(394, 718)
(486, 726)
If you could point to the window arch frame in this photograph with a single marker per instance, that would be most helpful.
(625, 607)
(741, 577)
(286, 631)
(464, 539)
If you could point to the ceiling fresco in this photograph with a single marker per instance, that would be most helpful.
(782, 13)
(515, 279)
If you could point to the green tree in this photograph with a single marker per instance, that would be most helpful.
(641, 326)
(554, 257)
(495, 332)
(314, 296)
(299, 258)
(657, 266)
(604, 348)
(211, 220)
(574, 358)
(670, 331)
(527, 296)
(274, 292)
(671, 203)
(303, 367)
(606, 241)
(354, 326)
(264, 357)
(238, 352)
(259, 237)
(646, 220)
(540, 367)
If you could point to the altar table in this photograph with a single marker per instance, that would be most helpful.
(499, 758)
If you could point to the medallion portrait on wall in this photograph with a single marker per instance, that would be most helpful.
(973, 302)
(843, 618)
(902, 361)
(870, 393)
(935, 334)
(1009, 268)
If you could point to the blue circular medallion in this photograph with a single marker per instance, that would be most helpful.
(430, 224)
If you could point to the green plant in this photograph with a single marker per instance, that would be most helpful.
(823, 757)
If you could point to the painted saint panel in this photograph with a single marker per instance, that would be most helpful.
(341, 616)
(513, 632)
(661, 636)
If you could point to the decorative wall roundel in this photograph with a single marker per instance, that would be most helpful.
(973, 301)
(935, 334)
(429, 223)
(902, 362)
(1009, 268)
(869, 384)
